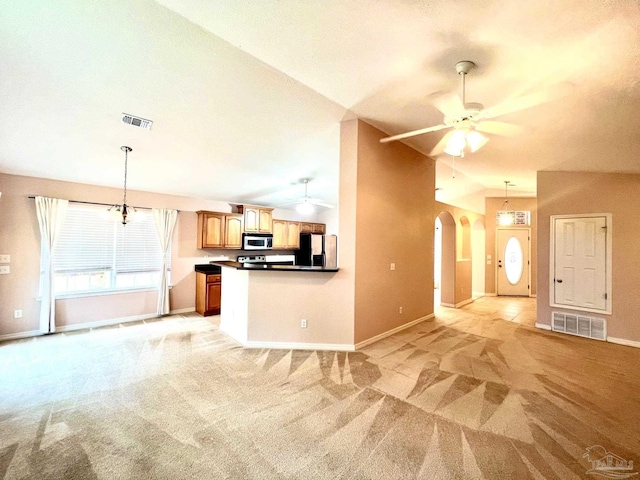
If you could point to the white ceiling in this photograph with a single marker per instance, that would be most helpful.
(246, 97)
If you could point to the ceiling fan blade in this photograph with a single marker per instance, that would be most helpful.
(413, 133)
(499, 128)
(449, 104)
(319, 203)
(439, 148)
(539, 97)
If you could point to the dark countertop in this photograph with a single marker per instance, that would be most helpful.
(272, 267)
(208, 268)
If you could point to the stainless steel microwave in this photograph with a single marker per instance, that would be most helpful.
(257, 241)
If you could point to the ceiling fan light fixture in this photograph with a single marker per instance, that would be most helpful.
(456, 144)
(305, 208)
(476, 140)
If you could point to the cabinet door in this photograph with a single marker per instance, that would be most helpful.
(279, 234)
(252, 219)
(233, 231)
(213, 298)
(266, 220)
(293, 235)
(306, 227)
(211, 230)
(319, 228)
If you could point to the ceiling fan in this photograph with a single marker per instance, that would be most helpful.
(306, 205)
(468, 120)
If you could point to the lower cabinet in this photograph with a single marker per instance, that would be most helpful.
(208, 287)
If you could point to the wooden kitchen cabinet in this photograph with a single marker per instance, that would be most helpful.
(256, 219)
(286, 235)
(306, 227)
(293, 234)
(219, 230)
(208, 288)
(233, 231)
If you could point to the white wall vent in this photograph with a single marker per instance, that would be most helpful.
(136, 121)
(581, 325)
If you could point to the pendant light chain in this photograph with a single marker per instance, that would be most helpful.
(126, 158)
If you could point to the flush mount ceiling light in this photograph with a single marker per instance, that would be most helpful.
(124, 211)
(506, 215)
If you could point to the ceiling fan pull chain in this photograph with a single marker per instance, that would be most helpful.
(453, 174)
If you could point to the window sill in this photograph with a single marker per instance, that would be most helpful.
(100, 293)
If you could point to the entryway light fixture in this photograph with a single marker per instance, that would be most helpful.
(506, 215)
(126, 211)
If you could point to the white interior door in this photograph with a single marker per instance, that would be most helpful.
(513, 261)
(579, 265)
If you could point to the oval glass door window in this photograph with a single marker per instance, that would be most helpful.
(513, 261)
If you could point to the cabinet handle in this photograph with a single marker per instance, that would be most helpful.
(559, 281)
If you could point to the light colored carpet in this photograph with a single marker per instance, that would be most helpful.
(475, 394)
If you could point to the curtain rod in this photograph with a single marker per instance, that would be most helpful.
(104, 204)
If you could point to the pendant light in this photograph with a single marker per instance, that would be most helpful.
(123, 212)
(506, 215)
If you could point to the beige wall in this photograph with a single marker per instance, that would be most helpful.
(393, 224)
(563, 193)
(20, 237)
(492, 205)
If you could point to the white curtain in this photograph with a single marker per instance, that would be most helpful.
(165, 221)
(51, 213)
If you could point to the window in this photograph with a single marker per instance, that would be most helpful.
(95, 253)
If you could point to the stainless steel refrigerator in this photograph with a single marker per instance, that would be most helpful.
(317, 250)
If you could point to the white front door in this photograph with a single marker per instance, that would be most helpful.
(513, 261)
(579, 262)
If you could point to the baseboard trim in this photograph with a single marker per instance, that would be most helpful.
(105, 323)
(458, 305)
(623, 341)
(299, 346)
(388, 333)
(20, 335)
(543, 326)
(491, 294)
(182, 310)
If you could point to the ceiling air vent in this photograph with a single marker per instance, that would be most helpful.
(136, 121)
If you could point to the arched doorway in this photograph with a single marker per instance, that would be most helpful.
(444, 260)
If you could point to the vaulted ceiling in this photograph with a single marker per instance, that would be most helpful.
(246, 97)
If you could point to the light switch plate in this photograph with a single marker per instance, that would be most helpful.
(4, 269)
(5, 258)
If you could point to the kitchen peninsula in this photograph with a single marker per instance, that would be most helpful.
(273, 305)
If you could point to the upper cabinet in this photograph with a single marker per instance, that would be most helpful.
(219, 230)
(256, 219)
(286, 235)
(306, 227)
(224, 230)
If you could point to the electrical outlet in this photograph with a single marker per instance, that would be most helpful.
(5, 258)
(400, 310)
(17, 314)
(303, 323)
(4, 269)
(392, 266)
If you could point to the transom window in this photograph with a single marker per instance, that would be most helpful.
(96, 253)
